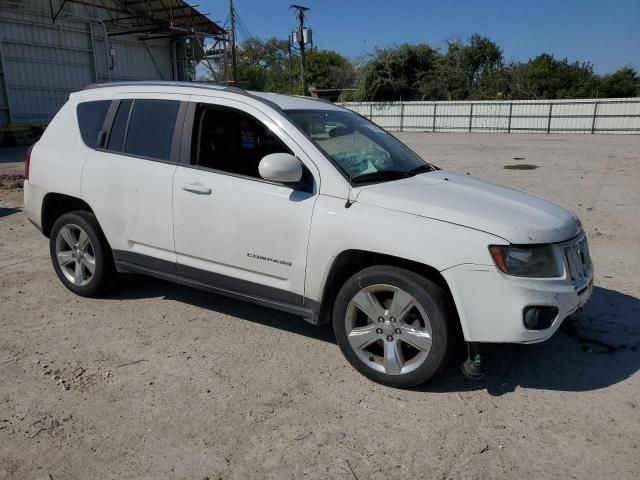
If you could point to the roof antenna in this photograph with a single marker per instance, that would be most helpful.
(349, 200)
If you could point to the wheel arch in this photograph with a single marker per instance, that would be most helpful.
(56, 204)
(349, 262)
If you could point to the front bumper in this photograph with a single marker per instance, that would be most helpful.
(491, 304)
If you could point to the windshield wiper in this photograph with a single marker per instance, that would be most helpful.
(383, 175)
(380, 176)
(420, 169)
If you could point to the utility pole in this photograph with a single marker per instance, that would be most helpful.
(290, 76)
(232, 33)
(300, 14)
(224, 58)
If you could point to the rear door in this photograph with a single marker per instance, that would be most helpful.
(233, 229)
(128, 179)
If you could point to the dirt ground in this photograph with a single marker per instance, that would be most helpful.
(159, 381)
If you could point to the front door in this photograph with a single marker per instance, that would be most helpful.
(233, 229)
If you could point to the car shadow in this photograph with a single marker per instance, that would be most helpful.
(5, 212)
(595, 348)
(133, 286)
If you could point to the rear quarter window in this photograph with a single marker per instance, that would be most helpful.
(91, 117)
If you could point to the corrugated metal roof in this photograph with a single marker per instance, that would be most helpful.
(153, 16)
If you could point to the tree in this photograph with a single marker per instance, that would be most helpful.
(622, 83)
(263, 64)
(328, 69)
(421, 72)
(551, 78)
(397, 73)
(466, 68)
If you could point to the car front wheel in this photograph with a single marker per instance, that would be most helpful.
(391, 325)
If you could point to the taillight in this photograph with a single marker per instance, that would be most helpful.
(27, 163)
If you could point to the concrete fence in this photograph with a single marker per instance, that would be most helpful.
(619, 115)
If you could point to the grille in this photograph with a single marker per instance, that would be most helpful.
(578, 260)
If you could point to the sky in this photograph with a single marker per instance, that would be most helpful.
(605, 33)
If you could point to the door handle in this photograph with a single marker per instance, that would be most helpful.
(196, 188)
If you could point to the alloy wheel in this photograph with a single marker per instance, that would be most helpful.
(75, 255)
(388, 329)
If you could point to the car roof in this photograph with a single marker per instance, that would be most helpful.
(284, 102)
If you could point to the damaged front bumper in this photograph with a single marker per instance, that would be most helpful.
(491, 305)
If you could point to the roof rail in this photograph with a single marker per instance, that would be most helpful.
(206, 86)
(161, 83)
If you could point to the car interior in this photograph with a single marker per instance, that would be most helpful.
(230, 141)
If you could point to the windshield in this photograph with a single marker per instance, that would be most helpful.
(362, 150)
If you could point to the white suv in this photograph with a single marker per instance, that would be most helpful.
(303, 206)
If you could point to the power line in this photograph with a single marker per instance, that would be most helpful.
(243, 26)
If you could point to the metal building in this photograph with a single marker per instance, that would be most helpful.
(49, 48)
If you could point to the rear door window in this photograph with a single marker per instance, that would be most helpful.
(151, 126)
(91, 117)
(144, 128)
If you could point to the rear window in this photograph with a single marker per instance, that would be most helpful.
(90, 119)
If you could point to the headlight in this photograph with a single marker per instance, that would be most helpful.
(525, 260)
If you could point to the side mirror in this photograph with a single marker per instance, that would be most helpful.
(280, 167)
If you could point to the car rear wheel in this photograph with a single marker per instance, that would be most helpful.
(391, 325)
(80, 254)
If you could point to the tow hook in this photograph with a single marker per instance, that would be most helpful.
(472, 366)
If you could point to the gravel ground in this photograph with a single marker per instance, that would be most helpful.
(159, 381)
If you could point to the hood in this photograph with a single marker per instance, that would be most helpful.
(516, 216)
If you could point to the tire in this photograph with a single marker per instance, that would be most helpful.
(70, 250)
(407, 303)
